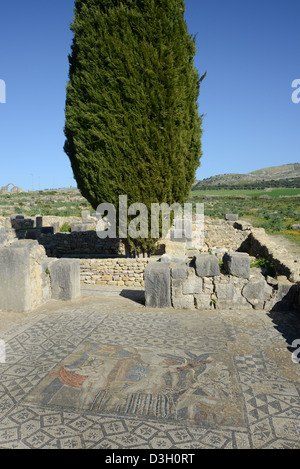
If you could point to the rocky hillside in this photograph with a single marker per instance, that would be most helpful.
(285, 173)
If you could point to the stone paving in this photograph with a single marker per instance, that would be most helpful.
(104, 372)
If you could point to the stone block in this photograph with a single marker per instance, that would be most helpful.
(85, 214)
(237, 263)
(47, 230)
(207, 265)
(39, 222)
(184, 302)
(192, 286)
(15, 290)
(225, 291)
(231, 217)
(203, 301)
(285, 297)
(18, 223)
(65, 279)
(257, 290)
(81, 227)
(157, 285)
(171, 258)
(179, 270)
(228, 296)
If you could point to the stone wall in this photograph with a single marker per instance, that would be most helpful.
(28, 278)
(259, 244)
(206, 284)
(75, 244)
(114, 272)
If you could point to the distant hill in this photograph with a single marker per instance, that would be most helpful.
(287, 175)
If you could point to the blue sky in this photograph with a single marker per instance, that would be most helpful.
(250, 51)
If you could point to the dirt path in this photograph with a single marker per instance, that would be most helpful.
(288, 244)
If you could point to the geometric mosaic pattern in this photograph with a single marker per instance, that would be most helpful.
(108, 373)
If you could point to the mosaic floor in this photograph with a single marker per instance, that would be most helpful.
(105, 372)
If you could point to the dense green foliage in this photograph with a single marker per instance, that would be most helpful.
(132, 122)
(248, 185)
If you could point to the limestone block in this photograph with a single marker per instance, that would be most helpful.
(14, 279)
(184, 302)
(15, 276)
(285, 297)
(82, 226)
(257, 292)
(39, 222)
(192, 286)
(17, 223)
(157, 285)
(228, 296)
(179, 270)
(225, 291)
(171, 258)
(85, 214)
(65, 279)
(237, 263)
(231, 216)
(47, 230)
(203, 301)
(207, 265)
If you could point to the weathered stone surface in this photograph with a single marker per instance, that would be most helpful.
(286, 295)
(228, 296)
(203, 301)
(192, 285)
(38, 222)
(65, 279)
(237, 263)
(82, 226)
(170, 258)
(15, 278)
(231, 216)
(17, 223)
(225, 291)
(257, 291)
(21, 282)
(207, 265)
(158, 285)
(184, 302)
(3, 235)
(179, 270)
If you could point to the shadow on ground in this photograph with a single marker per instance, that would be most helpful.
(138, 296)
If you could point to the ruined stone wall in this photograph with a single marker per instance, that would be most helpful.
(114, 272)
(259, 244)
(207, 284)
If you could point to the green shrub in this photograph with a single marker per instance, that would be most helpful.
(66, 228)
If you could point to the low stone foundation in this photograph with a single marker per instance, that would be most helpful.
(114, 272)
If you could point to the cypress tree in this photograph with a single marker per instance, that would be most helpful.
(132, 123)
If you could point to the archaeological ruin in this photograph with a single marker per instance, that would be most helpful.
(43, 263)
